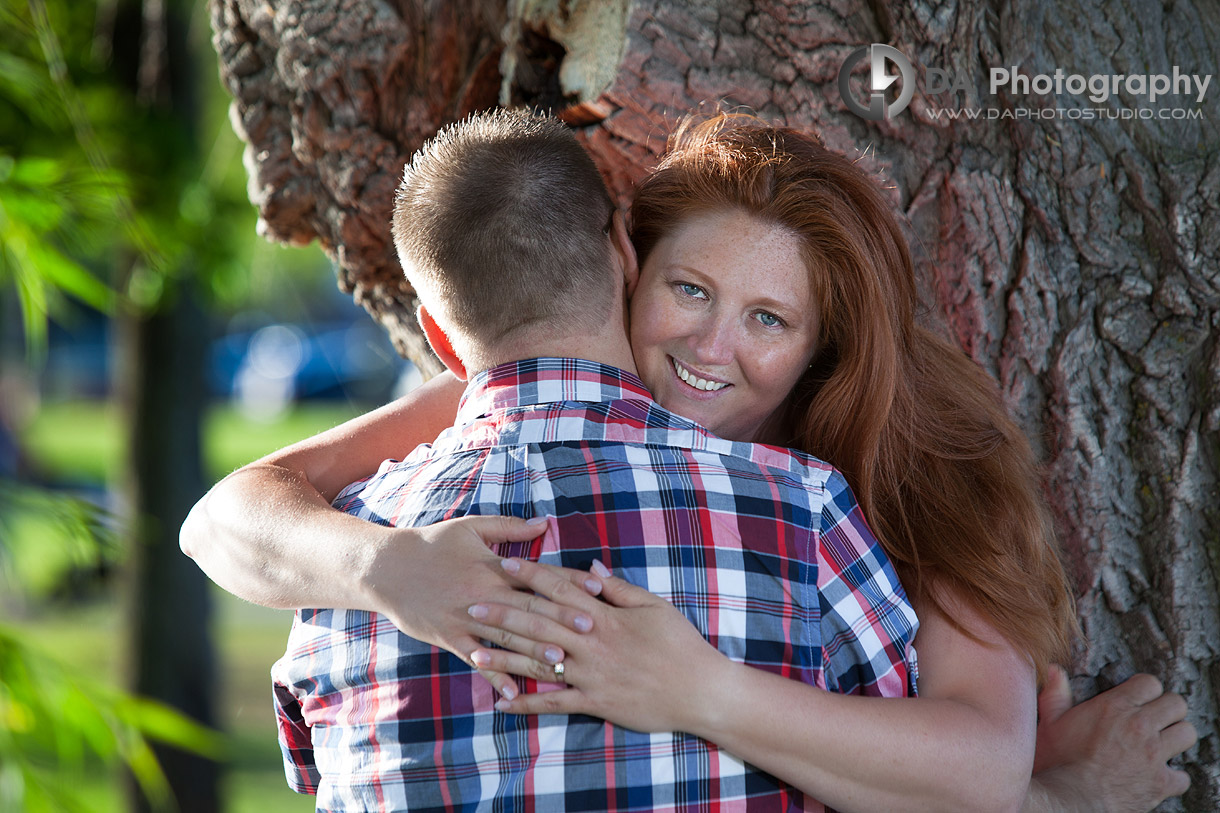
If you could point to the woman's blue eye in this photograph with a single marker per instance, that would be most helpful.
(768, 319)
(692, 290)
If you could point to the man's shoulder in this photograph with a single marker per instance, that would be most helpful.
(778, 461)
(598, 430)
(651, 425)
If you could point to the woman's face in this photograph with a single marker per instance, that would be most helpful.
(723, 321)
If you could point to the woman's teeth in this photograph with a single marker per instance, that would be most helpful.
(696, 382)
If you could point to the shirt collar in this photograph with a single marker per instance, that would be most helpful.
(546, 381)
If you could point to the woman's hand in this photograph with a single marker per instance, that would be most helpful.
(1110, 751)
(638, 663)
(425, 583)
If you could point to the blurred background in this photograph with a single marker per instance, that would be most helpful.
(150, 342)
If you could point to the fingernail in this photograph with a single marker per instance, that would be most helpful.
(511, 565)
(536, 521)
(583, 623)
(553, 655)
(599, 568)
(480, 658)
(501, 705)
(477, 611)
(509, 691)
(593, 586)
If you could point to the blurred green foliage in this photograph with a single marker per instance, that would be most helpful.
(112, 200)
(108, 201)
(81, 441)
(54, 724)
(58, 725)
(45, 537)
(59, 198)
(92, 177)
(83, 635)
(46, 208)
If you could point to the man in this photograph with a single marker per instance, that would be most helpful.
(502, 227)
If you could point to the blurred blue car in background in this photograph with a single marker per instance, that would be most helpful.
(264, 366)
(276, 364)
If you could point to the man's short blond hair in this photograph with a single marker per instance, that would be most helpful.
(501, 223)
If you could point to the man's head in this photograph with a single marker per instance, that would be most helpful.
(501, 224)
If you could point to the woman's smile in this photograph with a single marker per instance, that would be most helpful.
(704, 383)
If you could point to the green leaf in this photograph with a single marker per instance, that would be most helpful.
(45, 535)
(36, 212)
(32, 294)
(160, 722)
(27, 86)
(37, 172)
(71, 278)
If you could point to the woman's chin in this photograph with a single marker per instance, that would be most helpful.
(721, 422)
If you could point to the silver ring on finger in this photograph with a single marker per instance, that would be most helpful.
(560, 669)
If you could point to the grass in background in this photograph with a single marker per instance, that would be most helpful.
(81, 443)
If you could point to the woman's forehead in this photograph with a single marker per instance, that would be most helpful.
(736, 249)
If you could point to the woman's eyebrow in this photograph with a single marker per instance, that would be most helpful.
(762, 301)
(689, 269)
(780, 305)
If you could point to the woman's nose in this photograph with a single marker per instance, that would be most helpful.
(713, 343)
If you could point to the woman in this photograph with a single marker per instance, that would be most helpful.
(944, 475)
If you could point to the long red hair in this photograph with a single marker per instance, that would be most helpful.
(945, 476)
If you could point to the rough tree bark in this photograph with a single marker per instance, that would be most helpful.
(1078, 261)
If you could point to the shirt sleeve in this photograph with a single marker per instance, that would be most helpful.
(868, 624)
(296, 743)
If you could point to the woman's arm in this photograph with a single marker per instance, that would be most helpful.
(965, 744)
(267, 532)
(650, 670)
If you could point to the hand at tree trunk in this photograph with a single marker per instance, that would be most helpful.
(1109, 753)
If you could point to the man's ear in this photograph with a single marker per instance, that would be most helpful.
(440, 343)
(624, 250)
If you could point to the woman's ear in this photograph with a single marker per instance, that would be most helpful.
(624, 250)
(440, 343)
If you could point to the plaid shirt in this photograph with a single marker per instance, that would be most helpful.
(763, 549)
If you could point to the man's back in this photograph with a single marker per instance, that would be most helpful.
(764, 552)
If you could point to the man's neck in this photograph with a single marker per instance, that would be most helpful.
(611, 351)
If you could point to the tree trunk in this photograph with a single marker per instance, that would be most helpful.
(161, 380)
(172, 657)
(1077, 260)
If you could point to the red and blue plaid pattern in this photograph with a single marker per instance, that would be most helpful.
(763, 549)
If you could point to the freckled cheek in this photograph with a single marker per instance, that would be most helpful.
(644, 327)
(670, 326)
(652, 333)
(775, 367)
(767, 363)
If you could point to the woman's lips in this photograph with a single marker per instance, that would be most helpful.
(695, 383)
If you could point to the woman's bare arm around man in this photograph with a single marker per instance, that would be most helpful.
(964, 744)
(267, 532)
